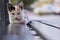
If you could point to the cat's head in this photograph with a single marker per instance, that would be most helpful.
(15, 12)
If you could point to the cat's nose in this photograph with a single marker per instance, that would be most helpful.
(17, 19)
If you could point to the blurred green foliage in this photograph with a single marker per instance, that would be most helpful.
(42, 13)
(14, 2)
(26, 2)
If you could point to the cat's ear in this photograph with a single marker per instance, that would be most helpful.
(21, 5)
(10, 7)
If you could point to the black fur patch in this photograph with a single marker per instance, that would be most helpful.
(10, 7)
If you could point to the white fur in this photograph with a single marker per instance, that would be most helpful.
(23, 15)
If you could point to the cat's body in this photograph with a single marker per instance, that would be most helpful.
(17, 15)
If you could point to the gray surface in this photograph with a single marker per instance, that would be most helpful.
(48, 32)
(25, 34)
(51, 19)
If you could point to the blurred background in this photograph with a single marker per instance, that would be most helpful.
(49, 6)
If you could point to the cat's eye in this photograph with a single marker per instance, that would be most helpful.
(18, 13)
(13, 14)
